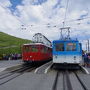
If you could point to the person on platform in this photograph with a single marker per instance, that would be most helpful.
(89, 59)
(85, 59)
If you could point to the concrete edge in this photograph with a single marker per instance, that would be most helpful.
(85, 70)
(47, 69)
(41, 67)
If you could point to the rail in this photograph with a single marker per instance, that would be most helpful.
(82, 84)
(4, 78)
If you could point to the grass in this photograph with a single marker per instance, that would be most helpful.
(10, 44)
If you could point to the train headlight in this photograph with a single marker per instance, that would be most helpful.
(74, 57)
(30, 56)
(56, 56)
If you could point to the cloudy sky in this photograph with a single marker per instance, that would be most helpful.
(24, 18)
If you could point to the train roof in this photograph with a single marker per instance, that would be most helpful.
(65, 41)
(37, 44)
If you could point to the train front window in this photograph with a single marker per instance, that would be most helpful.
(71, 47)
(59, 46)
(26, 49)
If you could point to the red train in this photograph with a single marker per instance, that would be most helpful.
(36, 52)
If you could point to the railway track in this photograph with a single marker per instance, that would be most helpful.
(68, 81)
(8, 76)
(80, 81)
(13, 70)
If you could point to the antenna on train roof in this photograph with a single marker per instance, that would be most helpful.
(67, 37)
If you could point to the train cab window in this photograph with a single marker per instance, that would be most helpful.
(26, 49)
(59, 46)
(34, 49)
(71, 47)
(44, 50)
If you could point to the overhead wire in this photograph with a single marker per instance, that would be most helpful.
(64, 21)
(65, 13)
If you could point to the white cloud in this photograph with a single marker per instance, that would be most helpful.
(40, 15)
(8, 22)
(5, 3)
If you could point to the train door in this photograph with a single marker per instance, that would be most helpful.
(25, 53)
(34, 52)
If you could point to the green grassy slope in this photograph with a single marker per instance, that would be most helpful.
(10, 44)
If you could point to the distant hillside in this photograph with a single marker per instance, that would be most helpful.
(10, 44)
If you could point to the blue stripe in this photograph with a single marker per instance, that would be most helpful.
(67, 53)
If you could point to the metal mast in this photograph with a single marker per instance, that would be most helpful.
(67, 36)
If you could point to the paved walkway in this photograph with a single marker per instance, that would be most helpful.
(9, 63)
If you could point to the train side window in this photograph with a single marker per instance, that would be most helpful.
(59, 46)
(26, 49)
(79, 47)
(34, 49)
(44, 49)
(48, 50)
(71, 47)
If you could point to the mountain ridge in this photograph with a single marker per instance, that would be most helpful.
(11, 44)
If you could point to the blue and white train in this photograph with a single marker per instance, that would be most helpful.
(67, 52)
